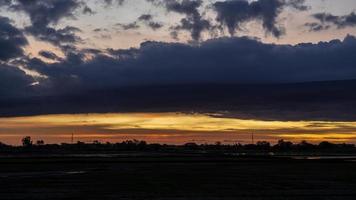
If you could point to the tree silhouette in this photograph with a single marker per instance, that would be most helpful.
(40, 142)
(284, 145)
(263, 145)
(27, 141)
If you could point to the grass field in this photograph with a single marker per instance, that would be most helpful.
(175, 178)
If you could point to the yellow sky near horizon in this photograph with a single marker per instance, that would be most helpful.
(171, 128)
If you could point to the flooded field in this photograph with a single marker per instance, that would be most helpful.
(176, 178)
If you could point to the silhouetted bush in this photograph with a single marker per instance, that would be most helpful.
(40, 142)
(27, 141)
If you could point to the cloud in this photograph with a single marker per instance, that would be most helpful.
(243, 76)
(297, 4)
(327, 20)
(334, 101)
(117, 2)
(193, 21)
(59, 37)
(145, 17)
(316, 27)
(240, 75)
(5, 2)
(12, 40)
(224, 60)
(49, 55)
(106, 3)
(234, 13)
(44, 14)
(14, 82)
(88, 10)
(129, 26)
(148, 20)
(155, 25)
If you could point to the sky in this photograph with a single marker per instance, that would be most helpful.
(282, 68)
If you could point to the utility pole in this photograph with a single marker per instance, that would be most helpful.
(253, 137)
(72, 138)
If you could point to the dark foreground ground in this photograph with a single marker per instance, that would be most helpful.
(170, 177)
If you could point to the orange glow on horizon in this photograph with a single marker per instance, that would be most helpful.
(170, 128)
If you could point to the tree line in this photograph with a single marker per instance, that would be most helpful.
(261, 147)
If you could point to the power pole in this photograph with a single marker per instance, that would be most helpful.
(253, 137)
(72, 138)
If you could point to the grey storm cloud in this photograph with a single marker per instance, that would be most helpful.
(327, 20)
(12, 40)
(234, 13)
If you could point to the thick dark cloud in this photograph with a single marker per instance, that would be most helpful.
(12, 40)
(13, 82)
(193, 22)
(333, 100)
(243, 76)
(234, 13)
(327, 20)
(223, 61)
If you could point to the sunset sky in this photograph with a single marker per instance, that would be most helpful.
(177, 71)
